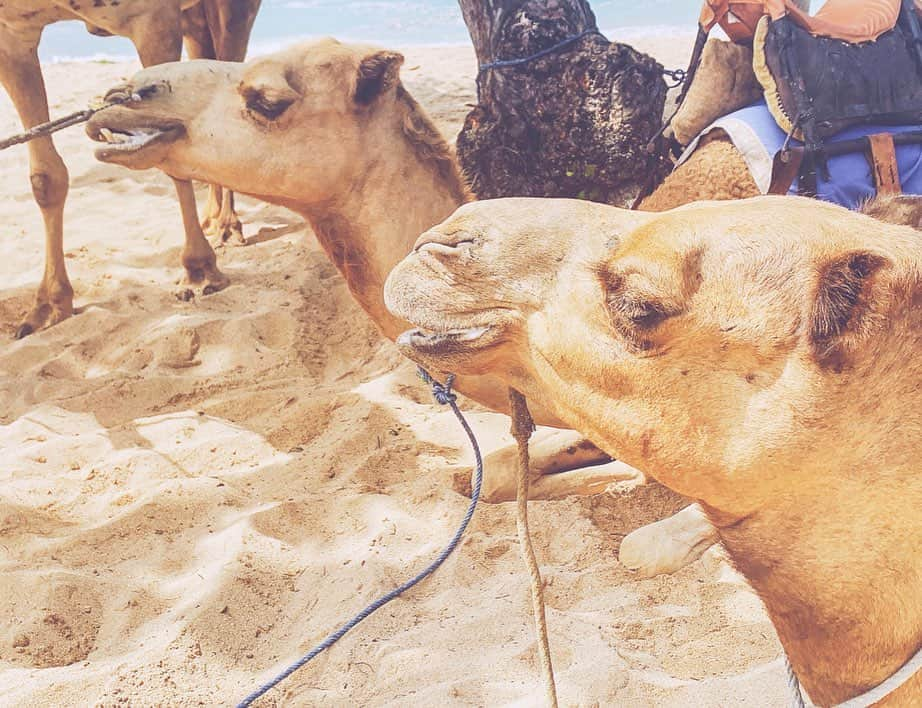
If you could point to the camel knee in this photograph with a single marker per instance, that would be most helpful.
(49, 186)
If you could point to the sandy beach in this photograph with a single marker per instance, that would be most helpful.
(192, 494)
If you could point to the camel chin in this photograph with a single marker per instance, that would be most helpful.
(448, 349)
(445, 343)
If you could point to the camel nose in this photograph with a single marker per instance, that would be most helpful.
(128, 93)
(437, 242)
(120, 94)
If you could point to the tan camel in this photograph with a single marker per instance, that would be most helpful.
(212, 28)
(296, 129)
(328, 131)
(763, 357)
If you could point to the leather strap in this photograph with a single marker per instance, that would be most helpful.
(785, 168)
(883, 164)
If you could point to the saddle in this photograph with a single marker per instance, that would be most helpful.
(854, 62)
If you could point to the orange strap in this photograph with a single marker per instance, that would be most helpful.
(883, 164)
(849, 20)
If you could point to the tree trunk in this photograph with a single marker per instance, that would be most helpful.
(572, 123)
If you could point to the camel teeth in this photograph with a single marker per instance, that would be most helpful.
(106, 134)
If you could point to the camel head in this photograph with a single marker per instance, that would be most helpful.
(473, 282)
(299, 120)
(719, 341)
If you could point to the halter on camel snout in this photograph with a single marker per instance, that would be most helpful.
(113, 98)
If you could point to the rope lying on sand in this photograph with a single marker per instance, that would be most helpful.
(522, 428)
(444, 395)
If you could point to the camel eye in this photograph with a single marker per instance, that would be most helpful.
(635, 312)
(644, 315)
(271, 110)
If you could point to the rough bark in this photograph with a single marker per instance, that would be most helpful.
(574, 123)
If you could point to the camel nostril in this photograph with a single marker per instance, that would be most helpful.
(120, 93)
(442, 248)
(435, 248)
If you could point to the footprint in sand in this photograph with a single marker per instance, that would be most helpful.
(178, 349)
(55, 618)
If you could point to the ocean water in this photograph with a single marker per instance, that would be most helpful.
(390, 23)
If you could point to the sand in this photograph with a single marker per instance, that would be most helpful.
(193, 493)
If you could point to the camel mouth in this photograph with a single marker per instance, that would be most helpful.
(452, 341)
(119, 141)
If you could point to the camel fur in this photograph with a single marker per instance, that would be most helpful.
(762, 356)
(212, 28)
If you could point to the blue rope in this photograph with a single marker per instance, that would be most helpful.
(444, 395)
(504, 63)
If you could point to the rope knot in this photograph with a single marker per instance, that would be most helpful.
(440, 391)
(677, 75)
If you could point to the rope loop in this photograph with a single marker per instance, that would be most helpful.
(440, 391)
(677, 75)
(506, 63)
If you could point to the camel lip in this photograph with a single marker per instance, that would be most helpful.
(451, 341)
(123, 140)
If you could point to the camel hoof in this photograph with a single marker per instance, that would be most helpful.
(24, 331)
(234, 236)
(212, 288)
(219, 234)
(185, 295)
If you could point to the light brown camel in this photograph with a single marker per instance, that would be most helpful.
(212, 28)
(763, 357)
(328, 131)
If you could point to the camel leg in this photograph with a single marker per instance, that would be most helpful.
(563, 463)
(669, 544)
(220, 29)
(198, 256)
(21, 75)
(200, 45)
(158, 40)
(583, 482)
(228, 224)
(221, 223)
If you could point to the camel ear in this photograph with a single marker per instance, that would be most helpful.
(846, 309)
(378, 73)
(267, 91)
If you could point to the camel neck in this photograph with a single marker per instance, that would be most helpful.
(848, 617)
(395, 198)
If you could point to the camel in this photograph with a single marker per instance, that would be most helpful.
(321, 128)
(212, 28)
(760, 356)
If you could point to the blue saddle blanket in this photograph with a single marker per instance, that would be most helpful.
(757, 136)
